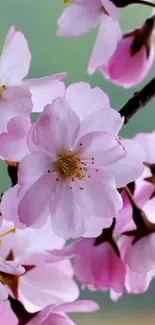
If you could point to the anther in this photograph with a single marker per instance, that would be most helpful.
(12, 231)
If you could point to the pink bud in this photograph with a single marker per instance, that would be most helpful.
(133, 57)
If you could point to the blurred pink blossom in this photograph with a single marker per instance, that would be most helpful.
(15, 93)
(82, 16)
(97, 264)
(133, 57)
(41, 284)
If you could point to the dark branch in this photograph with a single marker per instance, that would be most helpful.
(122, 3)
(13, 174)
(23, 316)
(138, 101)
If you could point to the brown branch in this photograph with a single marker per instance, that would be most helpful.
(139, 100)
(23, 316)
(122, 3)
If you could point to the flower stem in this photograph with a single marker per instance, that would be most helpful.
(122, 3)
(139, 100)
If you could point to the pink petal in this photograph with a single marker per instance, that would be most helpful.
(46, 284)
(138, 283)
(78, 306)
(84, 100)
(3, 294)
(147, 140)
(111, 9)
(14, 64)
(110, 273)
(107, 120)
(131, 166)
(16, 102)
(67, 219)
(13, 143)
(124, 219)
(101, 196)
(131, 69)
(102, 146)
(98, 199)
(10, 211)
(32, 167)
(77, 20)
(96, 226)
(53, 124)
(103, 49)
(45, 318)
(45, 90)
(140, 257)
(6, 314)
(11, 267)
(148, 209)
(33, 208)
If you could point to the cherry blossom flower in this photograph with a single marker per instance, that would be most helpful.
(15, 93)
(41, 284)
(69, 172)
(133, 56)
(81, 16)
(117, 161)
(56, 314)
(7, 316)
(97, 264)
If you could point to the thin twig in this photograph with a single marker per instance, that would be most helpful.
(139, 100)
(122, 3)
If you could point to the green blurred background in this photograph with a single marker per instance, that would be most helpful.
(37, 19)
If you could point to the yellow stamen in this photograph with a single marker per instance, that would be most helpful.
(12, 231)
(68, 166)
(2, 89)
(67, 2)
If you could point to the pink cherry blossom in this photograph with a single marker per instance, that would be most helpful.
(97, 265)
(81, 184)
(7, 316)
(119, 161)
(41, 284)
(14, 66)
(133, 57)
(56, 314)
(81, 16)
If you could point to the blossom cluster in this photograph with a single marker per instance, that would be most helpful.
(73, 176)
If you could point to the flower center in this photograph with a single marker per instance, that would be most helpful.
(68, 166)
(2, 89)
